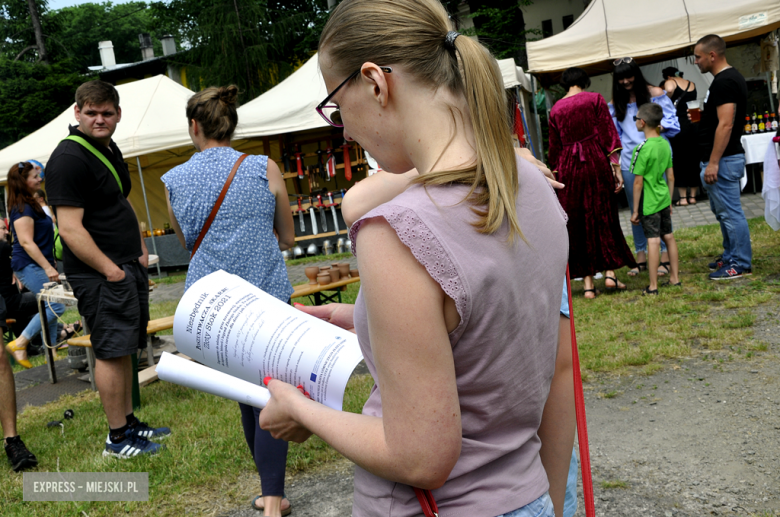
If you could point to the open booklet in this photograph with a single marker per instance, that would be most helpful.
(241, 334)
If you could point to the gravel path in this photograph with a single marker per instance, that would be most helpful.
(700, 437)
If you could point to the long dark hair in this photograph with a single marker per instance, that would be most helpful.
(621, 96)
(19, 194)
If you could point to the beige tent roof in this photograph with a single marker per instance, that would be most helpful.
(153, 120)
(289, 106)
(609, 29)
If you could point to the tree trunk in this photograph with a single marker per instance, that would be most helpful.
(42, 56)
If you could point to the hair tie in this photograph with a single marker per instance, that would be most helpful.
(449, 39)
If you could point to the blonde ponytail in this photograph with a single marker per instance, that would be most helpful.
(414, 33)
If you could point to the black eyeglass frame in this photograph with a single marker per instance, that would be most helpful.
(637, 118)
(324, 104)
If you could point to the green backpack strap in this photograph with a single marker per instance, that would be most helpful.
(100, 156)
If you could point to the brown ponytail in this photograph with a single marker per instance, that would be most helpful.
(412, 33)
(215, 110)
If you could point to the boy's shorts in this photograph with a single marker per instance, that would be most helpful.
(657, 224)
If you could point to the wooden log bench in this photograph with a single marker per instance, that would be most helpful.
(152, 328)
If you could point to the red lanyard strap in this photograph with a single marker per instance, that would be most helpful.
(579, 407)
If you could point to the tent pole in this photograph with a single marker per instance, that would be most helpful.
(538, 122)
(769, 86)
(148, 216)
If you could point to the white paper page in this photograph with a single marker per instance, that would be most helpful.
(176, 370)
(228, 324)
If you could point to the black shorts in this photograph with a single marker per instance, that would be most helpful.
(116, 313)
(657, 224)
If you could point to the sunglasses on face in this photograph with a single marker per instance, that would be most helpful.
(622, 60)
(637, 118)
(331, 112)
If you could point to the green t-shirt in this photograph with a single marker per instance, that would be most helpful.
(650, 159)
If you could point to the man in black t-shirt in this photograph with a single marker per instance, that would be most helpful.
(105, 258)
(723, 159)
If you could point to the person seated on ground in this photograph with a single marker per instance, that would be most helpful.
(652, 196)
(33, 251)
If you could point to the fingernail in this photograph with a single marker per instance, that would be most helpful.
(300, 386)
(266, 380)
(296, 304)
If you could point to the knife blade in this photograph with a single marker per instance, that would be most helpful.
(313, 220)
(322, 213)
(300, 216)
(333, 211)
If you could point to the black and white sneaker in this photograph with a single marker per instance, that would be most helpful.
(18, 455)
(130, 447)
(143, 430)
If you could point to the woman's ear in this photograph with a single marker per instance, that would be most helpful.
(373, 78)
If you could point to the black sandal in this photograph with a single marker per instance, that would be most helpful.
(616, 287)
(647, 291)
(595, 294)
(679, 202)
(640, 266)
(667, 266)
(669, 283)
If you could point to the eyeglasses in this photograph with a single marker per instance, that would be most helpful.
(637, 118)
(21, 166)
(623, 60)
(331, 112)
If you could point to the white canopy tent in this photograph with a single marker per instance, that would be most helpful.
(152, 136)
(289, 106)
(152, 120)
(648, 30)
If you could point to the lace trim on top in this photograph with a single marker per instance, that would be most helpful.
(426, 248)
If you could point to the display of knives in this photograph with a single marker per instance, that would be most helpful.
(300, 216)
(322, 213)
(332, 206)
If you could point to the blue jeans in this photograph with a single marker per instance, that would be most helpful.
(33, 277)
(570, 502)
(725, 204)
(640, 241)
(542, 507)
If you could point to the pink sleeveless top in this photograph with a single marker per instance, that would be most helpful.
(508, 299)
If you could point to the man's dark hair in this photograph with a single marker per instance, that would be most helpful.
(651, 113)
(712, 43)
(575, 77)
(96, 92)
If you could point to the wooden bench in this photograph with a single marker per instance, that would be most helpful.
(316, 290)
(152, 328)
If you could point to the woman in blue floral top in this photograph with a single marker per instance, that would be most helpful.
(241, 241)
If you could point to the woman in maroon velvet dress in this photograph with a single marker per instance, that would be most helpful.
(583, 145)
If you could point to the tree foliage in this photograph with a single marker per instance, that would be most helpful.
(32, 94)
(253, 44)
(82, 27)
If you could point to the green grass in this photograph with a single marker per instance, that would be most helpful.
(624, 330)
(615, 483)
(207, 469)
(319, 258)
(197, 473)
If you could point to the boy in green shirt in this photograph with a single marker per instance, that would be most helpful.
(652, 196)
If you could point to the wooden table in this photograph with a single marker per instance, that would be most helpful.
(316, 290)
